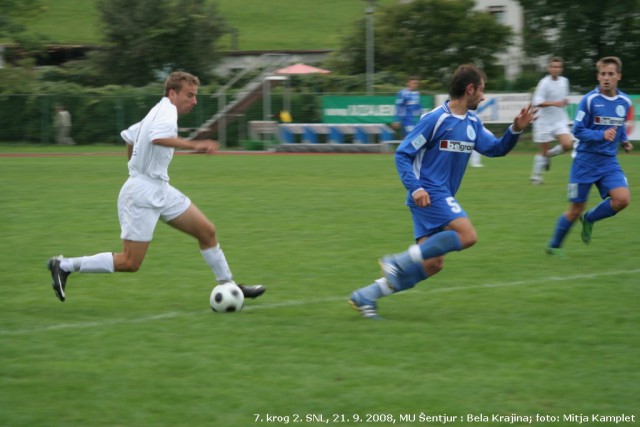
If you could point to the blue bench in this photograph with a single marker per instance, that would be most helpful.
(334, 133)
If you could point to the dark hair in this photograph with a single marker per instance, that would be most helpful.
(177, 79)
(556, 59)
(610, 60)
(463, 76)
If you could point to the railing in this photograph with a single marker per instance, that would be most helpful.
(268, 63)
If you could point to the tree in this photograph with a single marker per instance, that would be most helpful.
(15, 13)
(581, 32)
(14, 17)
(147, 38)
(428, 38)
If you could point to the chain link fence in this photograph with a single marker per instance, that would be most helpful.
(98, 119)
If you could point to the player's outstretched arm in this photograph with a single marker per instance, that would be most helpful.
(207, 146)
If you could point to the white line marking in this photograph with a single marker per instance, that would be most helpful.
(173, 314)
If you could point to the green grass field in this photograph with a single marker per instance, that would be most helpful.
(262, 25)
(504, 330)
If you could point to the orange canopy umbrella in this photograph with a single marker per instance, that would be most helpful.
(298, 68)
(301, 68)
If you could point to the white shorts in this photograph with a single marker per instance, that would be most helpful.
(547, 133)
(142, 201)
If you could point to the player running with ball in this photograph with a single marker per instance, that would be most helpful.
(147, 197)
(431, 162)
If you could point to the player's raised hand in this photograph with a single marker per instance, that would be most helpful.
(525, 117)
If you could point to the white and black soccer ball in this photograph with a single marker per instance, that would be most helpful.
(227, 297)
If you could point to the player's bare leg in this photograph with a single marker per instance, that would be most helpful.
(565, 143)
(129, 260)
(196, 224)
(131, 257)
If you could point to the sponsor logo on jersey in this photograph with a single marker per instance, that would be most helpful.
(609, 121)
(456, 146)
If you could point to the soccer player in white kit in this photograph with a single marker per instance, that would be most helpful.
(147, 196)
(550, 97)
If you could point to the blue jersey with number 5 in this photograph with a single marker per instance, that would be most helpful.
(435, 154)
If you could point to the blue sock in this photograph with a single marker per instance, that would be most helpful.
(411, 276)
(562, 228)
(602, 211)
(440, 244)
(374, 291)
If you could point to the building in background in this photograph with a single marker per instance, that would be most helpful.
(510, 13)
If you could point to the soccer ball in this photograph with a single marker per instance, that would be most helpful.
(226, 298)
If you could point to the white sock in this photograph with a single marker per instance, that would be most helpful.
(555, 151)
(214, 257)
(385, 287)
(99, 263)
(70, 264)
(539, 162)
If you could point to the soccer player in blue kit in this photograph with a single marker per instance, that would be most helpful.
(599, 126)
(408, 108)
(431, 162)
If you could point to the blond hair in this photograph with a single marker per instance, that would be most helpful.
(610, 60)
(177, 79)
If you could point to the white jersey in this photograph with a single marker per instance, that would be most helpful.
(149, 159)
(549, 90)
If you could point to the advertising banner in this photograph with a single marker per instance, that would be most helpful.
(364, 109)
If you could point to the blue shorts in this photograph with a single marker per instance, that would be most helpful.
(433, 219)
(605, 175)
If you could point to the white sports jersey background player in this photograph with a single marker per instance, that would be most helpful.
(552, 122)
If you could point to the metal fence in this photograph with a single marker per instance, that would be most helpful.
(99, 119)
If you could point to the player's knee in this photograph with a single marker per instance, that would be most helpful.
(469, 238)
(620, 203)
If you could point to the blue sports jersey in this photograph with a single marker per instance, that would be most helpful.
(434, 156)
(596, 161)
(408, 108)
(597, 113)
